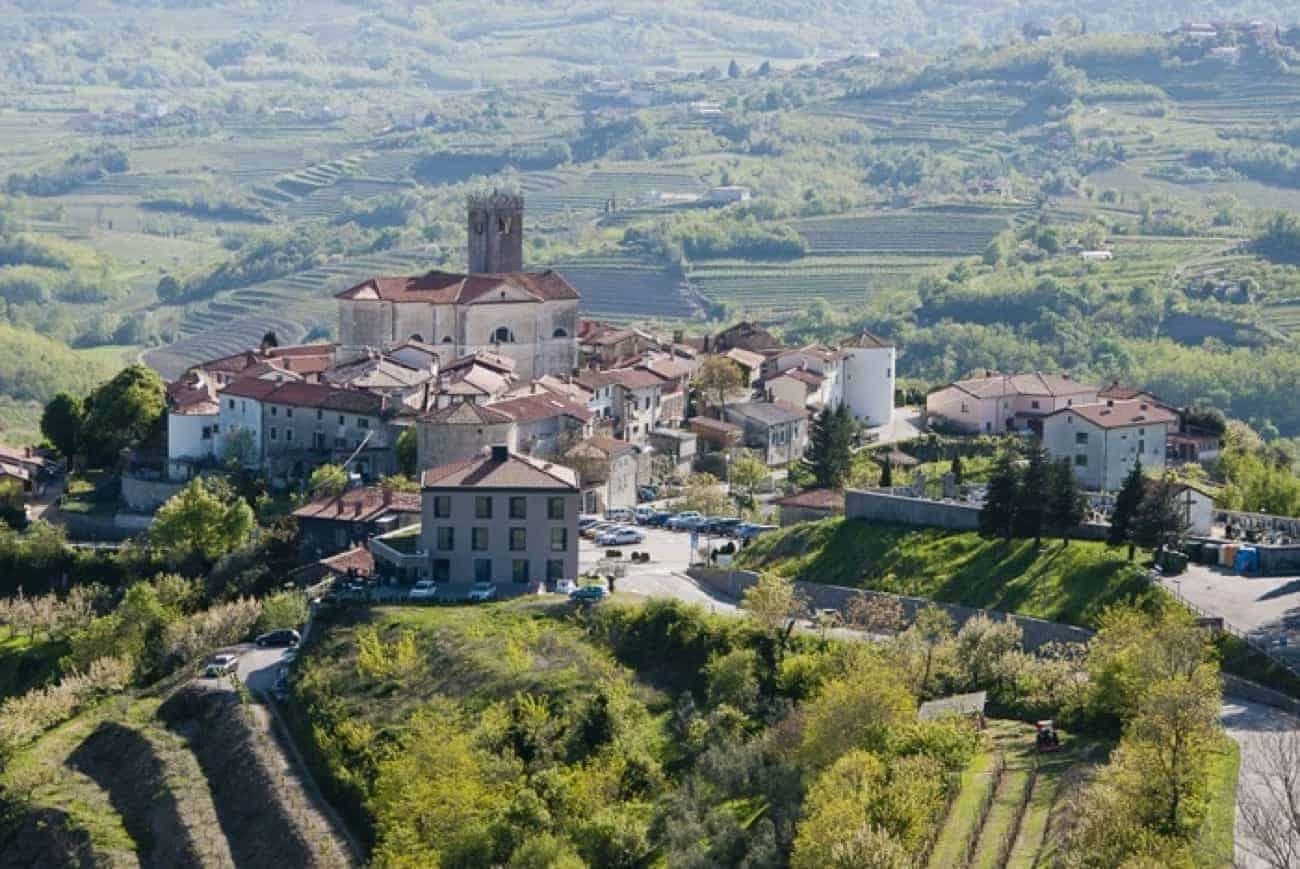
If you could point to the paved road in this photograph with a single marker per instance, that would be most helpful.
(1265, 607)
(1253, 726)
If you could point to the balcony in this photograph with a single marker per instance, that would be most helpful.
(401, 548)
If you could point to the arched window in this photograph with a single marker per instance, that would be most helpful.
(559, 333)
(416, 337)
(447, 340)
(503, 335)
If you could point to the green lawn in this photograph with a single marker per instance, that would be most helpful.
(976, 781)
(1216, 839)
(1071, 584)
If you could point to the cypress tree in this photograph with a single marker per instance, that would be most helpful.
(958, 471)
(1030, 513)
(829, 456)
(887, 474)
(1066, 504)
(1124, 514)
(997, 516)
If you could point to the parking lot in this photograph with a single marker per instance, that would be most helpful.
(664, 575)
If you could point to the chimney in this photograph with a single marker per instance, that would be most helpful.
(388, 496)
(1142, 406)
(1110, 402)
(500, 452)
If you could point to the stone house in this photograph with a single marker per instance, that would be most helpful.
(778, 432)
(607, 473)
(460, 432)
(502, 518)
(544, 421)
(998, 403)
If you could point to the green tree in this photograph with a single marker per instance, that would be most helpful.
(748, 472)
(328, 481)
(204, 518)
(829, 457)
(997, 516)
(718, 377)
(61, 423)
(958, 472)
(407, 449)
(1066, 504)
(13, 506)
(1030, 514)
(122, 413)
(774, 602)
(284, 609)
(886, 474)
(1123, 515)
(857, 710)
(1161, 522)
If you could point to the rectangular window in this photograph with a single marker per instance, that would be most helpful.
(519, 571)
(482, 570)
(1142, 445)
(446, 538)
(555, 509)
(1081, 437)
(1081, 461)
(482, 506)
(341, 420)
(518, 507)
(559, 539)
(1034, 405)
(273, 433)
(518, 539)
(320, 414)
(207, 433)
(441, 570)
(274, 410)
(478, 539)
(288, 434)
(442, 506)
(288, 411)
(363, 422)
(554, 570)
(232, 404)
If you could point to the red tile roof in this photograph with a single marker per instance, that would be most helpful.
(467, 413)
(356, 559)
(440, 288)
(634, 378)
(997, 385)
(867, 340)
(530, 408)
(820, 499)
(489, 472)
(314, 395)
(1121, 414)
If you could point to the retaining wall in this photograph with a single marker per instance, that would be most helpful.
(874, 506)
(145, 496)
(1037, 632)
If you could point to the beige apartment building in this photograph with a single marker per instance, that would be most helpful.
(503, 518)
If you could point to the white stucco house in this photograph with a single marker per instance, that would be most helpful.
(1102, 440)
(997, 403)
(866, 379)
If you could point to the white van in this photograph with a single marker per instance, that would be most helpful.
(620, 514)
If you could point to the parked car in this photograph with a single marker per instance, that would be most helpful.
(679, 520)
(482, 591)
(692, 523)
(565, 586)
(424, 589)
(658, 519)
(643, 514)
(620, 537)
(594, 531)
(647, 493)
(282, 637)
(220, 665)
(620, 514)
(586, 521)
(588, 594)
(719, 527)
(750, 530)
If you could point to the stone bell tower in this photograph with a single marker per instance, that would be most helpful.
(496, 232)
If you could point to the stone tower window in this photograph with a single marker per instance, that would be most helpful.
(559, 333)
(503, 335)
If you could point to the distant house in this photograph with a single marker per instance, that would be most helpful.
(544, 420)
(351, 563)
(746, 336)
(750, 362)
(607, 473)
(777, 431)
(797, 386)
(1197, 507)
(998, 403)
(715, 434)
(193, 424)
(1102, 440)
(30, 467)
(1094, 256)
(460, 431)
(332, 524)
(728, 194)
(677, 445)
(810, 506)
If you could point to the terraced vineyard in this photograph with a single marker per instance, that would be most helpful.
(564, 193)
(780, 287)
(935, 232)
(623, 288)
(291, 307)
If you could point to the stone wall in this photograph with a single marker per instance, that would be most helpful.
(145, 496)
(1037, 632)
(874, 506)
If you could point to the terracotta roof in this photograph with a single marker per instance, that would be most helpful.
(717, 425)
(192, 395)
(608, 446)
(18, 472)
(1121, 414)
(442, 288)
(592, 380)
(315, 395)
(357, 559)
(867, 340)
(1120, 392)
(360, 505)
(530, 408)
(611, 336)
(820, 499)
(570, 389)
(998, 385)
(497, 361)
(302, 358)
(747, 358)
(467, 413)
(378, 371)
(769, 412)
(512, 472)
(667, 369)
(634, 378)
(30, 457)
(803, 375)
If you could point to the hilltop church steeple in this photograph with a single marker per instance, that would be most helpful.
(496, 233)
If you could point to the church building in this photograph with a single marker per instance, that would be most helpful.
(530, 317)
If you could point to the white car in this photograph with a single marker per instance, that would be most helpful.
(220, 666)
(482, 591)
(684, 520)
(620, 537)
(565, 586)
(424, 589)
(643, 513)
(619, 514)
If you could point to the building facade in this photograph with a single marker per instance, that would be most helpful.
(866, 379)
(1103, 440)
(502, 518)
(998, 403)
(778, 432)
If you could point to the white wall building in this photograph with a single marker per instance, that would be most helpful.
(1103, 440)
(998, 403)
(866, 379)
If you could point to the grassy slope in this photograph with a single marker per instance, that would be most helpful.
(1072, 585)
(24, 664)
(1216, 840)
